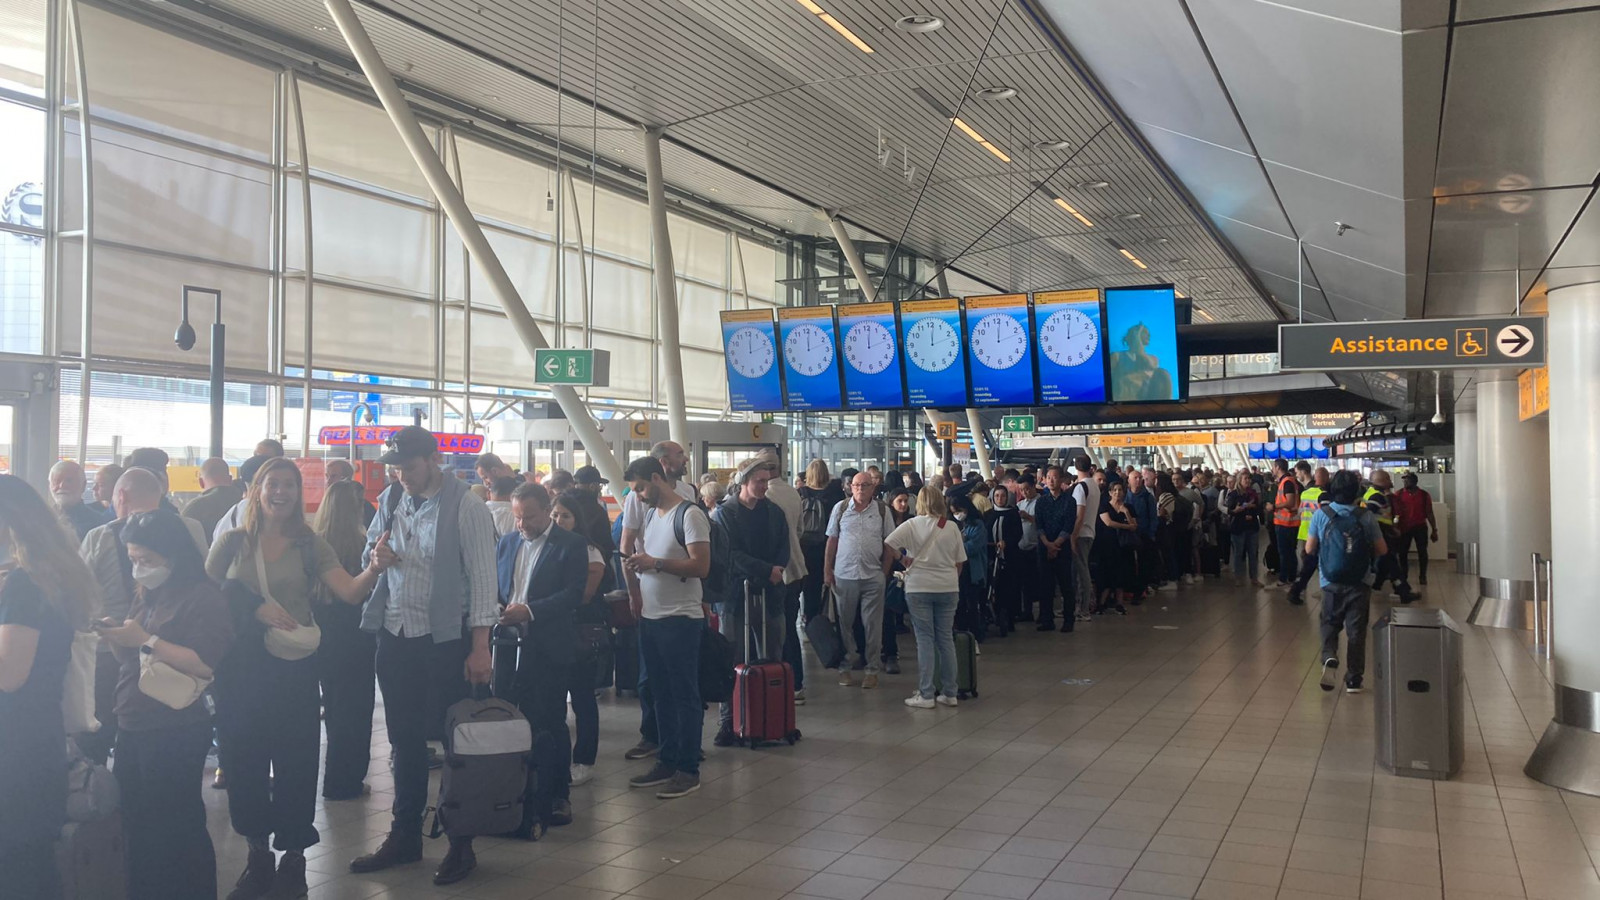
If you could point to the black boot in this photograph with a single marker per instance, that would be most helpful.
(290, 882)
(258, 873)
(459, 861)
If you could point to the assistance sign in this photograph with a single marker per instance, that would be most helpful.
(1412, 344)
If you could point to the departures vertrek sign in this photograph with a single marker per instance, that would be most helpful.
(1412, 344)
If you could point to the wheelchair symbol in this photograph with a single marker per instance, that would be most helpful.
(1472, 342)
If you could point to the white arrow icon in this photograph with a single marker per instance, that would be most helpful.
(552, 366)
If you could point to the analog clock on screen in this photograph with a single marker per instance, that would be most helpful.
(869, 347)
(1068, 337)
(932, 345)
(750, 352)
(808, 349)
(999, 341)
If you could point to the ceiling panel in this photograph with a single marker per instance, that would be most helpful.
(1225, 182)
(1501, 231)
(1316, 204)
(1357, 289)
(1520, 111)
(1469, 10)
(1582, 245)
(1472, 293)
(1265, 249)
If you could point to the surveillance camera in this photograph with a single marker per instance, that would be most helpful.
(184, 337)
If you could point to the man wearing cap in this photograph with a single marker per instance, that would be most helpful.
(432, 611)
(587, 479)
(754, 531)
(674, 466)
(1413, 518)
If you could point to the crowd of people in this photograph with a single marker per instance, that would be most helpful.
(241, 624)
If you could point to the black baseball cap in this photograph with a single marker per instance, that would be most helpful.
(409, 442)
(588, 475)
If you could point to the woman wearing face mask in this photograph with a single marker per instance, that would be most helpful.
(267, 691)
(179, 620)
(579, 514)
(44, 597)
(975, 574)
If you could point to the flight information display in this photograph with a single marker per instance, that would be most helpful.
(1070, 341)
(810, 350)
(931, 345)
(750, 349)
(1142, 330)
(869, 339)
(1000, 346)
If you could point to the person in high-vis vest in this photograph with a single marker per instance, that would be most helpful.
(1377, 500)
(1285, 520)
(1311, 499)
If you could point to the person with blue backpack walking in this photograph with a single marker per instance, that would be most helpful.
(1345, 539)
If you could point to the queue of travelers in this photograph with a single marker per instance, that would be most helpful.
(260, 622)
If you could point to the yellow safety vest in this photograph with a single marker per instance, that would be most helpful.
(1308, 508)
(1384, 511)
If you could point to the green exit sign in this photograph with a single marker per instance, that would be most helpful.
(1007, 444)
(1017, 424)
(572, 367)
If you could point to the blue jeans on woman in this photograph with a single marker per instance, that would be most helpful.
(933, 619)
(1244, 547)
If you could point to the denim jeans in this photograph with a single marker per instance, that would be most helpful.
(1345, 608)
(933, 617)
(1244, 547)
(671, 650)
(1286, 536)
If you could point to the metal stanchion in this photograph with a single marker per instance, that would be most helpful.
(1541, 647)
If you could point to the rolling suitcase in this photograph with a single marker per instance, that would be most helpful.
(487, 751)
(763, 692)
(966, 667)
(92, 859)
(625, 650)
(505, 649)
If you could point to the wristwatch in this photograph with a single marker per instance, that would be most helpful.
(149, 646)
(656, 564)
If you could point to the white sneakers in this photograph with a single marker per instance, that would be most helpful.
(917, 701)
(581, 774)
(945, 700)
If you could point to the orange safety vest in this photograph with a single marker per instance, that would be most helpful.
(1285, 518)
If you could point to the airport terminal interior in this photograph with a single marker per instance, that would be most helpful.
(1280, 316)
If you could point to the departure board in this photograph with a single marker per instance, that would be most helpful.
(869, 341)
(934, 358)
(1000, 350)
(1070, 339)
(810, 352)
(750, 350)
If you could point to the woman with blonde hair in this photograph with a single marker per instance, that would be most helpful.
(931, 550)
(345, 657)
(275, 570)
(44, 597)
(819, 496)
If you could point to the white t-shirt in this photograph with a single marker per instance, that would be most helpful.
(633, 508)
(666, 594)
(505, 521)
(938, 553)
(1087, 493)
(1030, 528)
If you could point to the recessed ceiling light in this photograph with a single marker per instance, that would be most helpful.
(1094, 185)
(494, 96)
(1128, 217)
(995, 92)
(1162, 240)
(1202, 278)
(918, 24)
(1051, 145)
(836, 25)
(1133, 259)
(1179, 261)
(970, 132)
(319, 28)
(1075, 214)
(1214, 293)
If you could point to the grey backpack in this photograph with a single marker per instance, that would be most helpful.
(488, 744)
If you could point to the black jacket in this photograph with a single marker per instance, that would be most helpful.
(752, 551)
(1005, 525)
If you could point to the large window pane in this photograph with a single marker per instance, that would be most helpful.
(361, 237)
(705, 379)
(498, 357)
(699, 322)
(698, 251)
(760, 269)
(21, 255)
(362, 332)
(164, 83)
(620, 226)
(621, 297)
(630, 367)
(528, 262)
(355, 140)
(128, 411)
(507, 188)
(22, 45)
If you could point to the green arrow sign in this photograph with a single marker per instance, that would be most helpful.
(571, 367)
(1007, 444)
(1017, 424)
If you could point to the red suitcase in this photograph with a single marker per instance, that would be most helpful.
(763, 692)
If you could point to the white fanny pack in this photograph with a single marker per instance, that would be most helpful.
(163, 683)
(284, 644)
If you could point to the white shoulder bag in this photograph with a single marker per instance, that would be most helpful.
(286, 645)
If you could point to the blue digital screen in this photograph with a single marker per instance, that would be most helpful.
(999, 339)
(810, 351)
(750, 351)
(931, 350)
(1142, 331)
(869, 344)
(1070, 339)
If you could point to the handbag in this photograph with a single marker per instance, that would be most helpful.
(163, 683)
(716, 667)
(593, 639)
(77, 696)
(823, 632)
(290, 645)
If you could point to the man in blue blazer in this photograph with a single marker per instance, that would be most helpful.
(542, 572)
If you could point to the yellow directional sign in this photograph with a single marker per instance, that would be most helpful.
(946, 431)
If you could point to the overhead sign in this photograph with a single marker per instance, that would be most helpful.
(1018, 424)
(946, 431)
(370, 435)
(1244, 436)
(1533, 392)
(571, 366)
(1336, 421)
(1412, 344)
(1153, 439)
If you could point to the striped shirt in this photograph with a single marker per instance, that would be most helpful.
(413, 533)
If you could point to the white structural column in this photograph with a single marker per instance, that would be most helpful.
(847, 246)
(666, 288)
(1568, 755)
(1465, 525)
(1510, 529)
(455, 206)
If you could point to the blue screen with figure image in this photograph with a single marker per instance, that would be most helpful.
(1142, 338)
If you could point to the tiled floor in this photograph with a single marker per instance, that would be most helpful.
(1202, 761)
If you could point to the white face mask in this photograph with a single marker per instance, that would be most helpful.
(151, 577)
(961, 517)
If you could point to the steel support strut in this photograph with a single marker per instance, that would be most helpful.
(455, 207)
(666, 288)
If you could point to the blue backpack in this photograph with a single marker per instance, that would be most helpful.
(1344, 553)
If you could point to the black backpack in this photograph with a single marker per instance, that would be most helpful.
(813, 518)
(1182, 511)
(711, 585)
